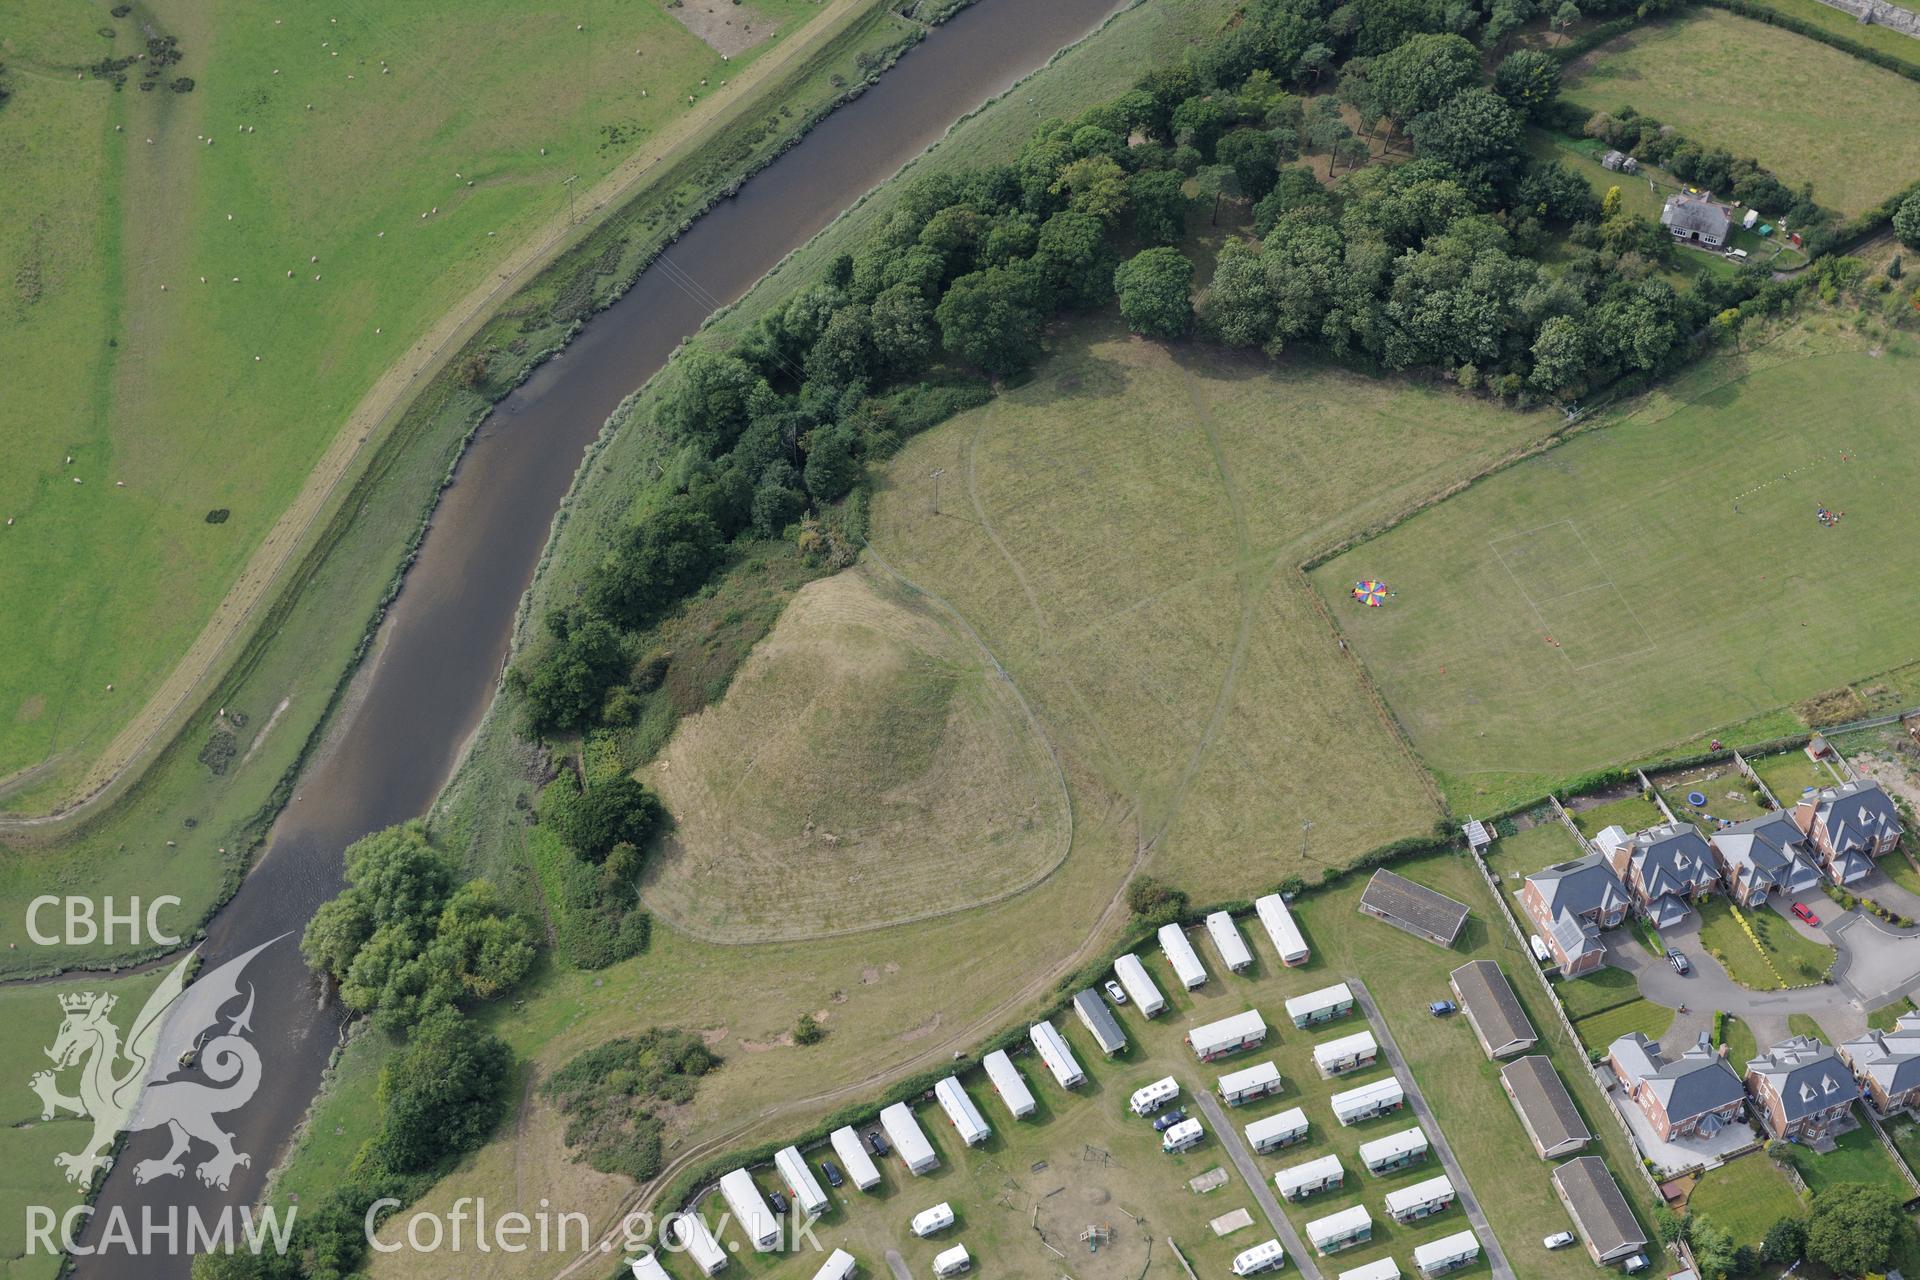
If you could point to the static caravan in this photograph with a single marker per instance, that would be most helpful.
(1340, 1230)
(1252, 1082)
(1421, 1200)
(966, 1118)
(952, 1262)
(1139, 985)
(928, 1221)
(838, 1266)
(1091, 1008)
(750, 1210)
(1181, 955)
(1149, 1098)
(690, 1231)
(1286, 936)
(647, 1267)
(1348, 1053)
(1323, 1005)
(854, 1158)
(1368, 1101)
(1378, 1269)
(1395, 1151)
(1182, 1136)
(800, 1180)
(1058, 1055)
(1233, 949)
(1007, 1083)
(1262, 1257)
(1302, 1180)
(1275, 1132)
(904, 1132)
(1229, 1035)
(1449, 1254)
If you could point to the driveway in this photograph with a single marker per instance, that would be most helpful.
(1835, 1005)
(1229, 1137)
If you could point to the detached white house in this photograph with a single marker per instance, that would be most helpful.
(1368, 1101)
(750, 1209)
(1421, 1200)
(1299, 1181)
(801, 1183)
(1395, 1151)
(1438, 1257)
(1696, 218)
(1348, 1053)
(693, 1235)
(1340, 1230)
(1323, 1005)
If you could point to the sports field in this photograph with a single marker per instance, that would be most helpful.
(206, 284)
(1652, 581)
(1805, 110)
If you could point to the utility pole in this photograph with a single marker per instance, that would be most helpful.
(1305, 827)
(568, 184)
(937, 473)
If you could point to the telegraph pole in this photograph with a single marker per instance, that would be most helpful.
(568, 184)
(937, 473)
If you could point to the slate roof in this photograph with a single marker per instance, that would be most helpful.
(1856, 814)
(1400, 901)
(1100, 1020)
(1696, 214)
(1672, 858)
(1599, 1210)
(1490, 1002)
(1891, 1059)
(1692, 1084)
(1808, 1076)
(1544, 1101)
(1582, 886)
(1577, 937)
(1772, 849)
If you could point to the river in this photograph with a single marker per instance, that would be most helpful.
(440, 651)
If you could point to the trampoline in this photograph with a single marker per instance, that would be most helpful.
(1696, 799)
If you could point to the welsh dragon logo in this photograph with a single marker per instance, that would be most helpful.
(131, 1085)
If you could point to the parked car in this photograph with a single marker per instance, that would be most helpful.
(877, 1143)
(1558, 1240)
(778, 1201)
(1441, 1008)
(1681, 965)
(832, 1170)
(1116, 992)
(1636, 1264)
(1800, 910)
(1163, 1123)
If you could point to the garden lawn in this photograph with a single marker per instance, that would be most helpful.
(1602, 1029)
(1856, 1157)
(1739, 1041)
(1781, 957)
(1604, 988)
(1805, 110)
(1745, 1196)
(1789, 773)
(1633, 813)
(1803, 1024)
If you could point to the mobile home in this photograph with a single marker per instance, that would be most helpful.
(1252, 1082)
(750, 1210)
(838, 1266)
(1007, 1083)
(928, 1221)
(1271, 1133)
(1181, 955)
(691, 1232)
(1348, 1053)
(1448, 1254)
(1182, 1136)
(1395, 1151)
(952, 1262)
(1091, 1008)
(1058, 1055)
(854, 1158)
(647, 1267)
(1229, 1035)
(1368, 1101)
(800, 1180)
(1323, 1005)
(1262, 1257)
(1149, 1098)
(1139, 985)
(1286, 936)
(1378, 1269)
(1233, 949)
(966, 1118)
(904, 1132)
(1340, 1230)
(1421, 1200)
(1302, 1180)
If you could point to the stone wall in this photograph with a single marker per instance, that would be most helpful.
(1880, 13)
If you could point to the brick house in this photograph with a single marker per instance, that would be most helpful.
(1849, 826)
(1801, 1089)
(1694, 1095)
(1765, 856)
(1665, 868)
(1887, 1065)
(1569, 904)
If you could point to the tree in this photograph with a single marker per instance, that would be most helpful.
(667, 553)
(1423, 73)
(1216, 182)
(902, 329)
(1529, 80)
(1076, 259)
(1566, 15)
(1610, 203)
(564, 683)
(617, 811)
(1906, 221)
(1559, 355)
(1254, 158)
(1155, 288)
(1155, 903)
(1476, 132)
(1786, 1241)
(832, 466)
(989, 319)
(1095, 186)
(1713, 1249)
(1160, 205)
(1198, 123)
(442, 1094)
(1313, 61)
(705, 398)
(1352, 152)
(1853, 1228)
(1238, 306)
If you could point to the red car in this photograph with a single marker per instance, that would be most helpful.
(1805, 914)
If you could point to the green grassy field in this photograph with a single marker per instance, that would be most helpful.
(1804, 109)
(1631, 813)
(211, 281)
(1610, 583)
(1746, 1196)
(1840, 23)
(1729, 795)
(1790, 772)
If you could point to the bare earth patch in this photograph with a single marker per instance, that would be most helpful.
(728, 28)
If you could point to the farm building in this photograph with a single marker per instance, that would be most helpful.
(647, 1267)
(1262, 1257)
(1099, 1021)
(1421, 1200)
(1395, 1151)
(1252, 1082)
(1229, 1035)
(800, 1181)
(1696, 219)
(1233, 949)
(1149, 1098)
(1058, 1055)
(838, 1266)
(1492, 1009)
(929, 1221)
(1323, 1005)
(1139, 985)
(1341, 1230)
(854, 1158)
(1302, 1180)
(750, 1209)
(967, 1120)
(1619, 162)
(1181, 955)
(1413, 908)
(1367, 1101)
(1600, 1213)
(1437, 1257)
(1182, 1136)
(690, 1231)
(952, 1262)
(1281, 930)
(1348, 1053)
(1007, 1083)
(904, 1132)
(1546, 1109)
(1378, 1269)
(1274, 1132)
